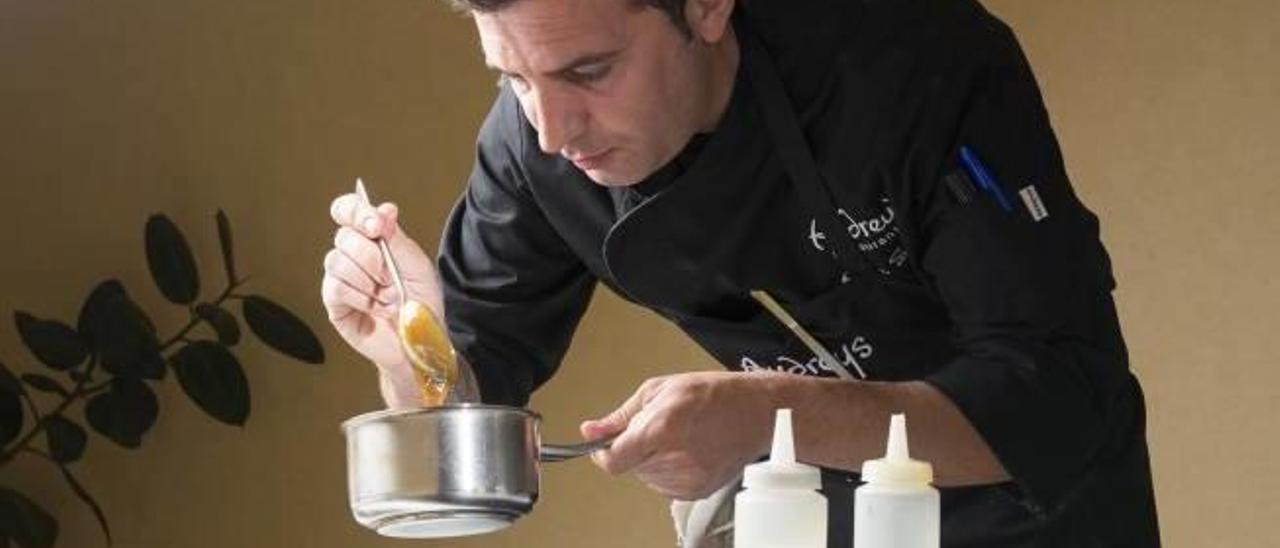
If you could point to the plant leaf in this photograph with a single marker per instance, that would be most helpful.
(8, 382)
(169, 257)
(10, 416)
(96, 308)
(124, 413)
(153, 367)
(66, 439)
(11, 411)
(88, 499)
(213, 378)
(26, 523)
(282, 330)
(121, 333)
(223, 322)
(44, 384)
(228, 255)
(54, 343)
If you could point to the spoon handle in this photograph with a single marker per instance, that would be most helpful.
(386, 249)
(394, 268)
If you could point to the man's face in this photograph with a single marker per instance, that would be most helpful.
(616, 89)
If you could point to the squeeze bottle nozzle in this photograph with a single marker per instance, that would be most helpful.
(782, 470)
(898, 439)
(780, 506)
(897, 466)
(896, 507)
(784, 447)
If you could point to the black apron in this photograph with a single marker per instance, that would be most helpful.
(984, 516)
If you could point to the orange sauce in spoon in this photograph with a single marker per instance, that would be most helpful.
(427, 346)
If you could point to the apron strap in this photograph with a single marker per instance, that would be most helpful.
(793, 150)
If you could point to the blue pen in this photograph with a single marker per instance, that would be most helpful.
(980, 174)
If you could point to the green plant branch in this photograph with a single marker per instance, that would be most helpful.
(40, 454)
(196, 320)
(80, 391)
(174, 271)
(35, 411)
(92, 390)
(87, 498)
(66, 473)
(76, 393)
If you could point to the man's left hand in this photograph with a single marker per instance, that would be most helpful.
(687, 435)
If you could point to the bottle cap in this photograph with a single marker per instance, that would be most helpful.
(897, 466)
(782, 471)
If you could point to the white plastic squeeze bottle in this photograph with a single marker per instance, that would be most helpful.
(896, 507)
(780, 506)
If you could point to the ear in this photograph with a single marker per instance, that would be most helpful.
(708, 19)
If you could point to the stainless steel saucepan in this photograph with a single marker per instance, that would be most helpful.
(447, 471)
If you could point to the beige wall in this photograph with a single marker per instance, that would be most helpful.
(112, 110)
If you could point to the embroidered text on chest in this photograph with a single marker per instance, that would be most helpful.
(874, 234)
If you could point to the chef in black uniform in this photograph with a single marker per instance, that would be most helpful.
(885, 169)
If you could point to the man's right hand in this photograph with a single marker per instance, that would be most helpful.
(360, 297)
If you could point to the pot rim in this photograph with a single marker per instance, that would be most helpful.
(453, 408)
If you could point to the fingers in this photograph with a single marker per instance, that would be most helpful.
(619, 418)
(388, 220)
(683, 435)
(636, 422)
(630, 449)
(360, 225)
(676, 476)
(363, 266)
(405, 249)
(365, 269)
(341, 300)
(351, 211)
(613, 423)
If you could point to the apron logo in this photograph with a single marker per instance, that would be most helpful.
(874, 234)
(852, 356)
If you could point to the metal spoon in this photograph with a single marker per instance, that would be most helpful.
(439, 372)
(386, 250)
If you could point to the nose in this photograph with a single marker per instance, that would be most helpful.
(559, 119)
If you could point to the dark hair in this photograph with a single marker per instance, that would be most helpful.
(673, 8)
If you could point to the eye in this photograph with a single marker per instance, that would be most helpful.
(587, 74)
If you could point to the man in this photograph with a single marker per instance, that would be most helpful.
(884, 169)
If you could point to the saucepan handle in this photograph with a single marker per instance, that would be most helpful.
(556, 453)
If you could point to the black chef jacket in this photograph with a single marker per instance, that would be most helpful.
(990, 285)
